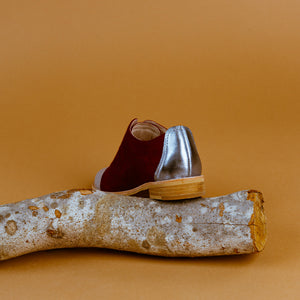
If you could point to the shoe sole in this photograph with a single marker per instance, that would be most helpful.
(173, 189)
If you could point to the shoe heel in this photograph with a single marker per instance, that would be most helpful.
(178, 189)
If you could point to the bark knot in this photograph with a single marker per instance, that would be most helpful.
(11, 227)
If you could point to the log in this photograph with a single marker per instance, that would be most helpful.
(231, 224)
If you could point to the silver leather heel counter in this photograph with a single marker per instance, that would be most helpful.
(180, 157)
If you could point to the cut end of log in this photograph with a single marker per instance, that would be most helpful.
(257, 222)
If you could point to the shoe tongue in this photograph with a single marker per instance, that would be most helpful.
(145, 131)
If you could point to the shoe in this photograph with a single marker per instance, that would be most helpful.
(152, 158)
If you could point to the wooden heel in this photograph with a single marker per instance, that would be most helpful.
(173, 189)
(177, 189)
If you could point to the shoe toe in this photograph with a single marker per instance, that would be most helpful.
(98, 177)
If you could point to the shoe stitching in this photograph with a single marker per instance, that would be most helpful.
(163, 157)
(187, 150)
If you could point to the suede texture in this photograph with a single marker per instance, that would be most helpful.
(134, 164)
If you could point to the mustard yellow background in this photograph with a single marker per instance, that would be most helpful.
(72, 76)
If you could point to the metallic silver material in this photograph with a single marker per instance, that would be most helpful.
(180, 157)
(98, 177)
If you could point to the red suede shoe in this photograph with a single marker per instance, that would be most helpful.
(152, 158)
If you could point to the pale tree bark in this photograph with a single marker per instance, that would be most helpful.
(231, 224)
